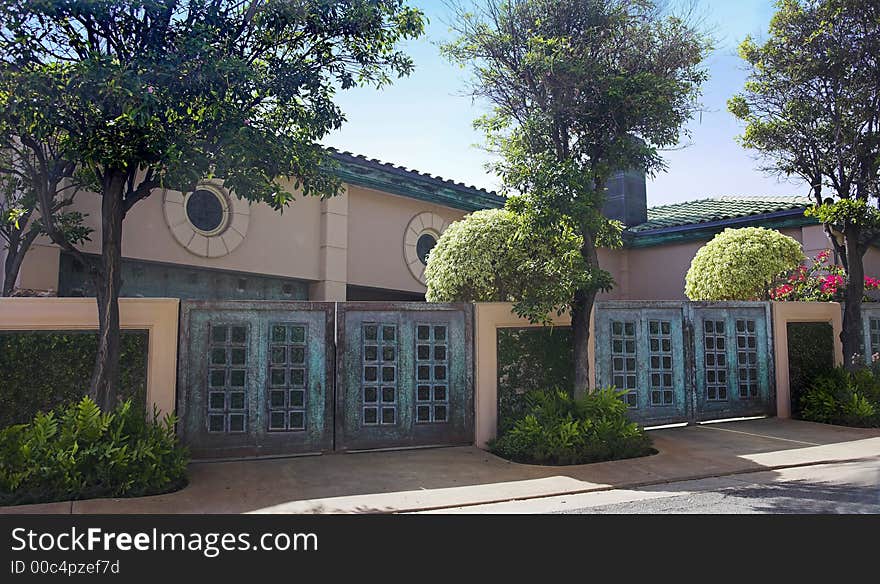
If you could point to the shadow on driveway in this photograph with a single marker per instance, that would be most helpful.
(409, 480)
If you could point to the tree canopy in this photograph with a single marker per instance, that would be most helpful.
(578, 90)
(163, 93)
(811, 108)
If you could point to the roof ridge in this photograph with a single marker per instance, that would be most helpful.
(418, 173)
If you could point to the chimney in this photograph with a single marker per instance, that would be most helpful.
(626, 199)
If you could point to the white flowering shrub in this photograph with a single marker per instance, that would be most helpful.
(493, 255)
(741, 264)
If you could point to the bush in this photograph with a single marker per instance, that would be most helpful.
(496, 256)
(79, 452)
(530, 358)
(844, 398)
(741, 264)
(28, 385)
(822, 281)
(558, 430)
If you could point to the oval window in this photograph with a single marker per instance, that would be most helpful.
(424, 245)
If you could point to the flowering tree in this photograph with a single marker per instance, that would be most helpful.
(822, 281)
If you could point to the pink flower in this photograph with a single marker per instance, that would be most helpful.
(150, 89)
(823, 255)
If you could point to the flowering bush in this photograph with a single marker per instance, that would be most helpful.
(822, 281)
(741, 264)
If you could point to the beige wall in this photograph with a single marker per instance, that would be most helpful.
(39, 271)
(356, 238)
(158, 316)
(376, 229)
(488, 318)
(279, 244)
(786, 312)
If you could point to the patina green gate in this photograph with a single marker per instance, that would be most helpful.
(256, 378)
(404, 375)
(266, 378)
(687, 361)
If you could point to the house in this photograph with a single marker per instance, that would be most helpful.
(370, 242)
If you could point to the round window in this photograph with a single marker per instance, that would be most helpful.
(424, 245)
(206, 211)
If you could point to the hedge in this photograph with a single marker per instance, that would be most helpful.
(42, 370)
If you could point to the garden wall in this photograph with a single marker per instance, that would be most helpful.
(157, 316)
(495, 370)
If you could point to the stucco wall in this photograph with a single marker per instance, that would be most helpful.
(377, 224)
(282, 244)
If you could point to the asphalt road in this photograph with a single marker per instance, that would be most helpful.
(852, 487)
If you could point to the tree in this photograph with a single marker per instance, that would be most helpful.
(21, 176)
(579, 89)
(811, 108)
(741, 264)
(167, 92)
(490, 256)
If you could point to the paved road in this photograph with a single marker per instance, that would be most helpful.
(831, 488)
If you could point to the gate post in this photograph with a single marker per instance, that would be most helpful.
(690, 362)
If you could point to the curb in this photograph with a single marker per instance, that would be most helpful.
(634, 485)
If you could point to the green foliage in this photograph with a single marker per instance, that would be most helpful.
(810, 110)
(557, 429)
(741, 264)
(846, 398)
(167, 92)
(28, 384)
(78, 452)
(810, 353)
(846, 212)
(530, 359)
(492, 255)
(578, 91)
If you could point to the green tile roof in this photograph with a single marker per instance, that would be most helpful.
(717, 209)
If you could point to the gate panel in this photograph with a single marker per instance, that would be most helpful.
(404, 374)
(641, 349)
(733, 361)
(256, 378)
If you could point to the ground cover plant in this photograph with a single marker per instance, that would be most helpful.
(558, 429)
(77, 451)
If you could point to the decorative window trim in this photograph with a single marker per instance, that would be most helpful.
(222, 240)
(423, 223)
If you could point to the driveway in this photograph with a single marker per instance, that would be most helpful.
(412, 480)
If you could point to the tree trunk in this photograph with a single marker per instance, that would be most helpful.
(580, 322)
(108, 280)
(851, 335)
(10, 270)
(14, 258)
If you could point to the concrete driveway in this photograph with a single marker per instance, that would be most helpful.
(386, 482)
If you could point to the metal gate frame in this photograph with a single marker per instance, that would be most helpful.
(256, 440)
(690, 315)
(458, 430)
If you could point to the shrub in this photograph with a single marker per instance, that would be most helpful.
(558, 430)
(78, 452)
(28, 386)
(838, 396)
(741, 264)
(494, 255)
(821, 281)
(531, 358)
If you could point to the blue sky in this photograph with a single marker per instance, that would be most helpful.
(424, 121)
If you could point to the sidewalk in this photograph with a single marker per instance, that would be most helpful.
(386, 482)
